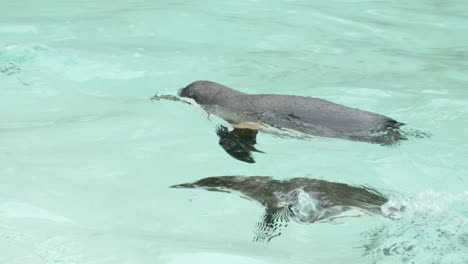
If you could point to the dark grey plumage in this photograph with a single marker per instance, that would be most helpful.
(308, 115)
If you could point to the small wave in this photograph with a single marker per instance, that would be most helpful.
(59, 250)
(19, 210)
(18, 29)
(72, 66)
(10, 69)
(414, 133)
(428, 228)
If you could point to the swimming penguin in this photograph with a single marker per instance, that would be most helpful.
(284, 115)
(308, 115)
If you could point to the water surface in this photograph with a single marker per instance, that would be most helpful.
(86, 158)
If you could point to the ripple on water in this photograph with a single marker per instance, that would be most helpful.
(58, 250)
(42, 60)
(428, 228)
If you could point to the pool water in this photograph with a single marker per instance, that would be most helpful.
(86, 159)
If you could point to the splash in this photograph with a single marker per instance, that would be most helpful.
(428, 228)
(305, 208)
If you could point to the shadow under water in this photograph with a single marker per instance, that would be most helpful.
(302, 200)
(238, 143)
(426, 228)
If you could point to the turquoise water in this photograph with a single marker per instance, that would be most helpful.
(86, 158)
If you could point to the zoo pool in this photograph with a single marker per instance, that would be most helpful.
(87, 159)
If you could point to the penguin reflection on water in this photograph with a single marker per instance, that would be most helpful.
(302, 200)
(284, 115)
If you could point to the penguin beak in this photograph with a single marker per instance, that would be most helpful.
(184, 185)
